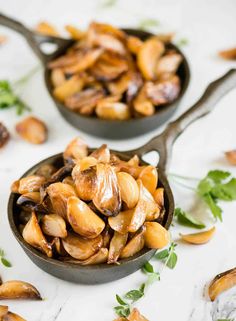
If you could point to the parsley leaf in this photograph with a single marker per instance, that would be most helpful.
(187, 220)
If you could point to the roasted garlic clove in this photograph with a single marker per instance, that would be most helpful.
(3, 311)
(156, 236)
(63, 61)
(18, 290)
(110, 43)
(164, 91)
(149, 178)
(57, 247)
(83, 164)
(107, 197)
(59, 194)
(32, 130)
(109, 66)
(28, 184)
(102, 154)
(168, 64)
(54, 225)
(10, 316)
(98, 258)
(58, 77)
(199, 238)
(231, 157)
(29, 199)
(142, 104)
(221, 283)
(134, 44)
(87, 60)
(135, 315)
(75, 33)
(113, 110)
(158, 196)
(128, 188)
(75, 150)
(82, 219)
(85, 183)
(229, 54)
(46, 170)
(121, 222)
(46, 29)
(85, 101)
(80, 248)
(117, 244)
(119, 86)
(148, 55)
(69, 180)
(33, 235)
(135, 245)
(106, 234)
(68, 88)
(145, 208)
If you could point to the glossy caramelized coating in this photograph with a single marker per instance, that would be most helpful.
(97, 208)
(105, 62)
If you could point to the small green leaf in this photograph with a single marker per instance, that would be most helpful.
(108, 3)
(148, 23)
(134, 295)
(204, 186)
(122, 311)
(186, 219)
(182, 42)
(225, 319)
(142, 288)
(120, 300)
(225, 192)
(218, 176)
(152, 278)
(5, 262)
(215, 209)
(172, 260)
(162, 255)
(148, 267)
(2, 252)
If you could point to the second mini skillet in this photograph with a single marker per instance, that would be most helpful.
(102, 273)
(114, 129)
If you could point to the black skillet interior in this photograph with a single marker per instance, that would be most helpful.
(111, 129)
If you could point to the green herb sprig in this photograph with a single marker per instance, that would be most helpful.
(3, 259)
(168, 256)
(216, 186)
(186, 219)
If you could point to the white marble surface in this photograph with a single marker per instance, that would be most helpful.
(209, 26)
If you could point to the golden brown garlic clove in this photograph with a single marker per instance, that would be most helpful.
(142, 104)
(75, 33)
(229, 54)
(134, 44)
(29, 199)
(107, 197)
(149, 178)
(54, 225)
(18, 290)
(82, 219)
(32, 130)
(46, 170)
(117, 244)
(135, 245)
(83, 164)
(221, 283)
(28, 184)
(102, 154)
(145, 208)
(68, 88)
(3, 311)
(113, 110)
(199, 238)
(231, 157)
(75, 150)
(85, 183)
(10, 316)
(168, 64)
(164, 91)
(59, 194)
(84, 101)
(148, 55)
(121, 222)
(58, 77)
(80, 248)
(97, 258)
(135, 315)
(156, 236)
(158, 196)
(128, 188)
(33, 235)
(47, 29)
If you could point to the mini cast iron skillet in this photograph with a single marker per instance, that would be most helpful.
(162, 144)
(114, 129)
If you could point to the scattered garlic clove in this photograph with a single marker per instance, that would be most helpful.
(33, 235)
(199, 238)
(18, 290)
(231, 156)
(221, 283)
(156, 236)
(32, 130)
(82, 219)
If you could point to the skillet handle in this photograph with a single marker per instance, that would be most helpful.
(35, 40)
(214, 92)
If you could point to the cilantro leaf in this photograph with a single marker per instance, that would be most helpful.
(215, 209)
(218, 176)
(225, 192)
(187, 220)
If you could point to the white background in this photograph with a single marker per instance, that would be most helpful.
(209, 26)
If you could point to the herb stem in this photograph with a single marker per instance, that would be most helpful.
(182, 184)
(189, 178)
(24, 79)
